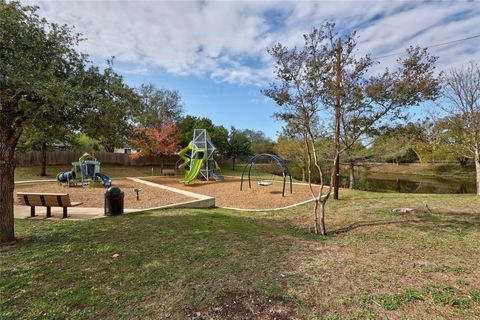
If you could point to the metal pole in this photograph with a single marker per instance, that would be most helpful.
(241, 179)
(291, 189)
(338, 94)
(249, 170)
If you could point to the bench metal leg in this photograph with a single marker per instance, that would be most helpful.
(64, 212)
(32, 211)
(49, 212)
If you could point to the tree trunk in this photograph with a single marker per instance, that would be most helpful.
(43, 171)
(7, 168)
(233, 163)
(477, 168)
(338, 97)
(352, 175)
(463, 162)
(303, 175)
(321, 223)
(319, 219)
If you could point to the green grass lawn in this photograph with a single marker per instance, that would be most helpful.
(227, 169)
(223, 264)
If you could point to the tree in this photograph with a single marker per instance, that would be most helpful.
(155, 141)
(453, 140)
(218, 134)
(39, 70)
(462, 91)
(84, 143)
(430, 140)
(292, 149)
(110, 107)
(219, 137)
(238, 145)
(159, 105)
(356, 96)
(352, 113)
(42, 136)
(297, 93)
(307, 83)
(353, 155)
(260, 143)
(49, 128)
(395, 143)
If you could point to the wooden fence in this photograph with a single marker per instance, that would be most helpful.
(34, 158)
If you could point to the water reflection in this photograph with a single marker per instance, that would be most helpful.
(412, 184)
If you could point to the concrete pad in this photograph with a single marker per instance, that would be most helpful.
(203, 201)
(75, 213)
(35, 181)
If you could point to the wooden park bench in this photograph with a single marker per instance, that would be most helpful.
(48, 200)
(168, 172)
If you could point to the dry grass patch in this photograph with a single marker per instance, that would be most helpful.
(202, 264)
(380, 264)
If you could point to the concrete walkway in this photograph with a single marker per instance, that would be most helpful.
(202, 201)
(75, 213)
(35, 181)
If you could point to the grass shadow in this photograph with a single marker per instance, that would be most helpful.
(427, 222)
(362, 224)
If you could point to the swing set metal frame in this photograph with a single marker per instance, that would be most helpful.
(264, 183)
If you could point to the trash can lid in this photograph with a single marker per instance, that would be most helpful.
(113, 190)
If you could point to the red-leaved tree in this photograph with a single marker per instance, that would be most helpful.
(155, 141)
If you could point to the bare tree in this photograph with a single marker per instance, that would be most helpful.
(462, 91)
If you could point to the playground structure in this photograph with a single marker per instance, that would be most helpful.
(85, 171)
(198, 158)
(276, 164)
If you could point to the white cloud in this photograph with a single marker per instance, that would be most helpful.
(219, 39)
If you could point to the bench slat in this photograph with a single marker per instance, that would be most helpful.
(168, 172)
(42, 193)
(44, 199)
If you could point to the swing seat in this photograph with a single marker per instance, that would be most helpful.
(264, 183)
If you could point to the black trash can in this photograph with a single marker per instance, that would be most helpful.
(114, 201)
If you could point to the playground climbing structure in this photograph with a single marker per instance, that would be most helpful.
(199, 159)
(85, 171)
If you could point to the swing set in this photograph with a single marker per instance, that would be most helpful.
(264, 168)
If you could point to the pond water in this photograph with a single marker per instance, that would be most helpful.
(412, 183)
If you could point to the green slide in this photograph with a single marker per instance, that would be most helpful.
(181, 154)
(195, 168)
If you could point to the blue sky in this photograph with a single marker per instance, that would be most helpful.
(214, 52)
(242, 106)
